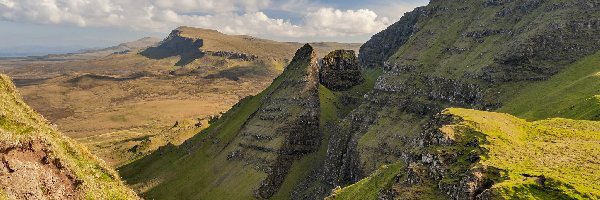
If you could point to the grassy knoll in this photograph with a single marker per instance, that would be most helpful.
(553, 158)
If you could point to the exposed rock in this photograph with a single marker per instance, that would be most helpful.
(340, 70)
(286, 126)
(233, 55)
(27, 171)
(385, 43)
(176, 45)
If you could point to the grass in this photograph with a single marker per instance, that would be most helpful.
(573, 93)
(202, 164)
(20, 124)
(200, 168)
(369, 188)
(564, 151)
(302, 168)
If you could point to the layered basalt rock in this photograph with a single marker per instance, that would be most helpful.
(340, 70)
(286, 126)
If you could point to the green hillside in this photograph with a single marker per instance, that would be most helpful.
(40, 162)
(420, 125)
(531, 59)
(546, 159)
(246, 152)
(572, 93)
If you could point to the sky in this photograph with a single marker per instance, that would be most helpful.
(73, 24)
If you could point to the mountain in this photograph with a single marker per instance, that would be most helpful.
(458, 100)
(192, 43)
(123, 106)
(38, 162)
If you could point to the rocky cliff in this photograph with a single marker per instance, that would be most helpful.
(188, 49)
(340, 70)
(473, 54)
(258, 139)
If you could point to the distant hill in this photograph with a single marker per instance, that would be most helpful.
(192, 43)
(125, 105)
(123, 48)
(38, 162)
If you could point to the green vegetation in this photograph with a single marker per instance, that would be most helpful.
(369, 188)
(204, 164)
(201, 167)
(550, 158)
(19, 124)
(302, 168)
(573, 93)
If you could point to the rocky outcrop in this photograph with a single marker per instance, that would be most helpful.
(286, 126)
(385, 43)
(233, 55)
(340, 70)
(176, 45)
(430, 64)
(28, 171)
(188, 49)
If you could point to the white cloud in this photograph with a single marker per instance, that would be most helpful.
(229, 16)
(334, 22)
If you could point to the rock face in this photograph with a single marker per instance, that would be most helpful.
(289, 114)
(262, 136)
(432, 61)
(233, 55)
(340, 70)
(176, 45)
(385, 43)
(27, 170)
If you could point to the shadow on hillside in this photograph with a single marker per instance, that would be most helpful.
(186, 48)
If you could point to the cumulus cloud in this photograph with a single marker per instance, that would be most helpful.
(229, 16)
(334, 22)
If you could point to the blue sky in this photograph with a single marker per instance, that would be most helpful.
(99, 23)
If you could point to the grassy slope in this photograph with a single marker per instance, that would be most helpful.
(332, 110)
(200, 169)
(20, 124)
(201, 164)
(565, 152)
(368, 188)
(573, 93)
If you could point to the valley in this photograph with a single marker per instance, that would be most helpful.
(458, 99)
(117, 102)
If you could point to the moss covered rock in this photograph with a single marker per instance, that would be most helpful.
(340, 70)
